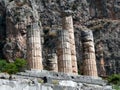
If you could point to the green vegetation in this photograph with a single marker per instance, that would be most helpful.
(116, 87)
(20, 64)
(10, 68)
(115, 80)
(2, 65)
(14, 67)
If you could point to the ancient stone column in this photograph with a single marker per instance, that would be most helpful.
(102, 67)
(34, 55)
(68, 25)
(89, 59)
(64, 52)
(52, 63)
(100, 56)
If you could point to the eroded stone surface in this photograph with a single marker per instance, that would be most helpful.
(64, 52)
(89, 59)
(28, 81)
(68, 25)
(83, 12)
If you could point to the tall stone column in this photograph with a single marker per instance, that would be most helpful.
(52, 63)
(34, 55)
(64, 53)
(89, 59)
(68, 25)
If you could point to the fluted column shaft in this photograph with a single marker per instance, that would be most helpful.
(63, 52)
(89, 59)
(52, 62)
(34, 55)
(68, 25)
(100, 52)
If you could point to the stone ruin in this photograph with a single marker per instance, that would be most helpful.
(89, 60)
(25, 33)
(66, 52)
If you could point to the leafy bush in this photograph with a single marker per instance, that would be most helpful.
(12, 68)
(20, 64)
(115, 80)
(2, 65)
(116, 87)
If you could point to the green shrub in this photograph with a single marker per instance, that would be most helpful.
(115, 80)
(2, 65)
(116, 87)
(11, 68)
(20, 64)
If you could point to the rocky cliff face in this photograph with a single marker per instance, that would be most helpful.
(104, 9)
(101, 16)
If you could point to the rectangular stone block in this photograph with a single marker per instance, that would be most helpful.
(88, 44)
(65, 57)
(73, 51)
(63, 51)
(64, 45)
(71, 35)
(73, 57)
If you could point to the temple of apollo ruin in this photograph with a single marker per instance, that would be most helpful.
(66, 61)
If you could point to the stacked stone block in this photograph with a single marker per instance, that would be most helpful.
(89, 59)
(64, 52)
(34, 55)
(68, 25)
(100, 51)
(52, 62)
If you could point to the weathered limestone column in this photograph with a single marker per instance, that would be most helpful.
(89, 59)
(100, 51)
(102, 71)
(34, 55)
(52, 63)
(63, 52)
(68, 25)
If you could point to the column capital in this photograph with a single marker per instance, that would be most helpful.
(66, 13)
(87, 35)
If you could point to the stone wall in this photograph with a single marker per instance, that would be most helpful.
(44, 80)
